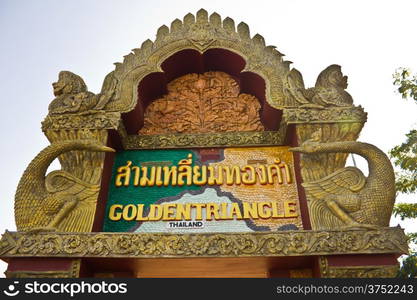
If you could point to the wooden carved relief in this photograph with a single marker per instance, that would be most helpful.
(202, 103)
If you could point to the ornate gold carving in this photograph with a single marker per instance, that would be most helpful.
(73, 272)
(6, 242)
(75, 268)
(346, 197)
(96, 120)
(77, 114)
(284, 88)
(290, 243)
(226, 139)
(322, 164)
(328, 115)
(201, 103)
(72, 95)
(379, 271)
(84, 165)
(329, 90)
(61, 200)
(363, 272)
(200, 32)
(323, 267)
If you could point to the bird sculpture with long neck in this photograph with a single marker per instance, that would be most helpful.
(59, 201)
(346, 198)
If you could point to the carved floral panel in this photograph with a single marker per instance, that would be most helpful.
(202, 103)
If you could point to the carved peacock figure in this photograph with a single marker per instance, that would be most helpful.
(59, 201)
(346, 198)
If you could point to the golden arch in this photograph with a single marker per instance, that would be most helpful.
(200, 33)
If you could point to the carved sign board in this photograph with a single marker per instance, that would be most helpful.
(203, 190)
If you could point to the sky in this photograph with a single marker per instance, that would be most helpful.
(38, 39)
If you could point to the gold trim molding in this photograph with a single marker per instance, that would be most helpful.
(99, 120)
(363, 272)
(377, 271)
(351, 114)
(201, 140)
(286, 243)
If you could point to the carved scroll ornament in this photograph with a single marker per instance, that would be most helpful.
(284, 243)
